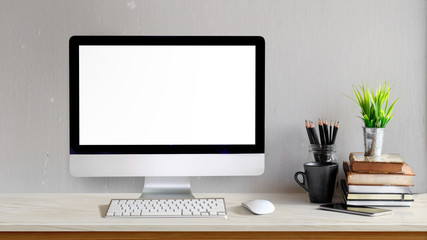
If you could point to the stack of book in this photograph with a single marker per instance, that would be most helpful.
(377, 181)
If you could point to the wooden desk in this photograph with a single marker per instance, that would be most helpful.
(40, 216)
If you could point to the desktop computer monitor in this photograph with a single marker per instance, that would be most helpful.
(166, 108)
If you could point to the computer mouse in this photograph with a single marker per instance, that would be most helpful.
(259, 206)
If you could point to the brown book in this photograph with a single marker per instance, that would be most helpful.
(372, 167)
(399, 179)
(385, 158)
(386, 163)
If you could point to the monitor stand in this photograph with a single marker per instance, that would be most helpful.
(166, 188)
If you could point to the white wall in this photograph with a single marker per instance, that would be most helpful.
(315, 51)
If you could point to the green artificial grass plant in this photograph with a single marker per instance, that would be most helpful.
(375, 110)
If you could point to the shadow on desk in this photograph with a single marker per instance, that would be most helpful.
(239, 210)
(103, 210)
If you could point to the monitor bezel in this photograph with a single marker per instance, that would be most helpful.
(257, 41)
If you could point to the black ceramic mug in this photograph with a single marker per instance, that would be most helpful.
(318, 180)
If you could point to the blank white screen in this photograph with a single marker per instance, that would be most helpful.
(162, 95)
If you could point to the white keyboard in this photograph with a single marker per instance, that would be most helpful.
(195, 207)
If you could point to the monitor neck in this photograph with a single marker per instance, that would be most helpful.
(166, 188)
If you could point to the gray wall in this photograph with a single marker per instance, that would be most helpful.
(315, 52)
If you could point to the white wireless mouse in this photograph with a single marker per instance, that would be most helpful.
(259, 206)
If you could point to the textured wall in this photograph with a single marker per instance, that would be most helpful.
(315, 51)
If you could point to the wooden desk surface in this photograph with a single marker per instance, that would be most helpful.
(85, 212)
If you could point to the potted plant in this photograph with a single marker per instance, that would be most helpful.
(376, 114)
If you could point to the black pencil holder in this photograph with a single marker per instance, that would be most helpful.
(323, 153)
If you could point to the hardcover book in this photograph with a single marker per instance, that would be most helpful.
(375, 196)
(385, 158)
(377, 203)
(373, 167)
(375, 188)
(386, 163)
(400, 179)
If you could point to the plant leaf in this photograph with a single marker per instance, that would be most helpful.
(374, 105)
